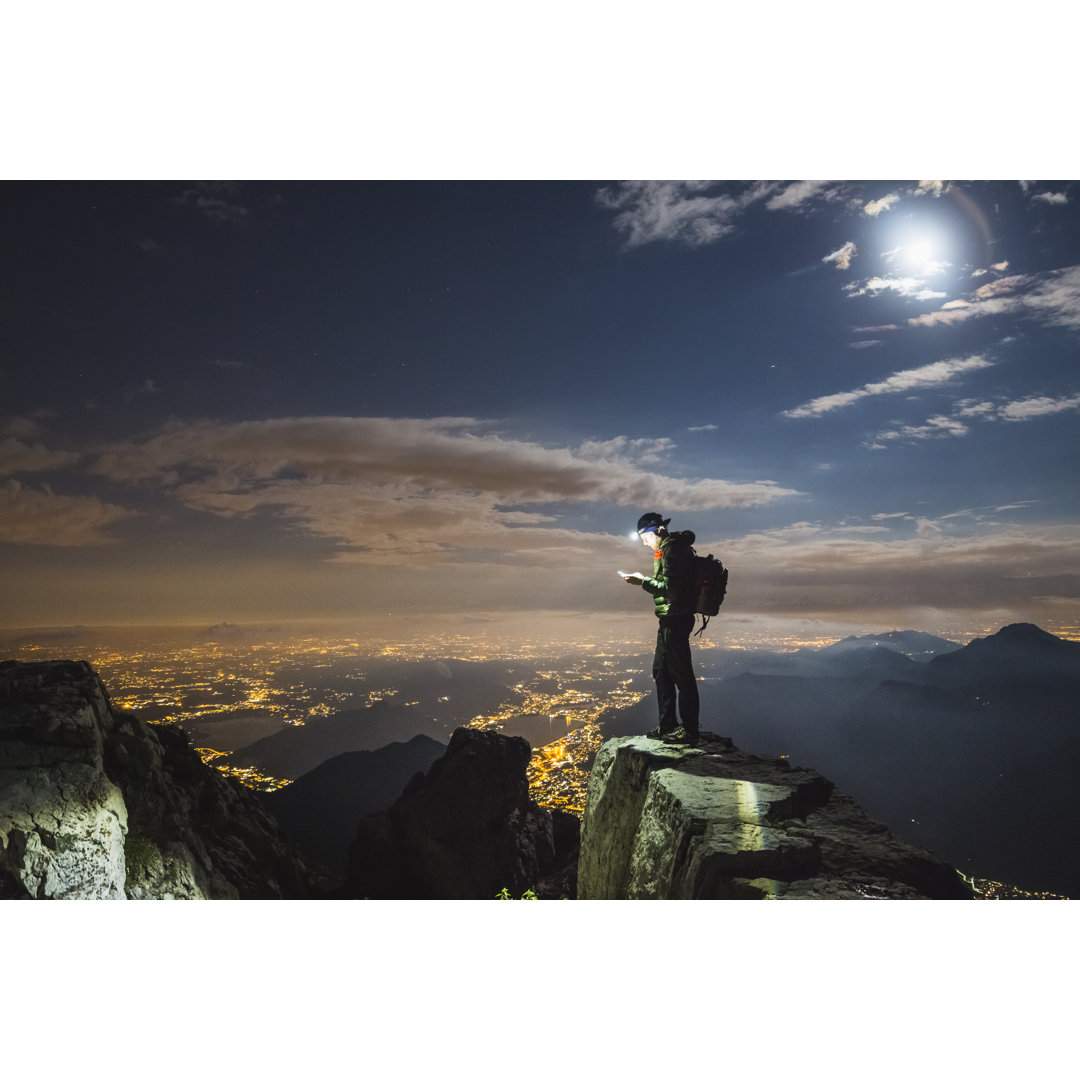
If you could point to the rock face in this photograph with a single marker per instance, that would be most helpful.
(95, 804)
(464, 831)
(713, 823)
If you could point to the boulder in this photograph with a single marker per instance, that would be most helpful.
(713, 823)
(464, 831)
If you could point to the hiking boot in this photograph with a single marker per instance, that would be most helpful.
(680, 737)
(659, 732)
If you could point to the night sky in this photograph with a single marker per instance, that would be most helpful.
(262, 400)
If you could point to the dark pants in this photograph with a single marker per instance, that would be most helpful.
(673, 669)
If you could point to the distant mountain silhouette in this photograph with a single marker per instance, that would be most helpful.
(912, 643)
(853, 659)
(1021, 652)
(320, 811)
(296, 750)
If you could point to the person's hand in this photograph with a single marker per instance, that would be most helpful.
(632, 579)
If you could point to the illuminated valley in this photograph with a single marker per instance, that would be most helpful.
(230, 692)
(261, 687)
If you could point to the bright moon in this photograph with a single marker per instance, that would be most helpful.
(922, 252)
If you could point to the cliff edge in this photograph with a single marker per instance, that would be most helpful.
(714, 823)
(95, 804)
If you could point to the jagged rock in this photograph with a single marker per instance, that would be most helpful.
(714, 823)
(464, 831)
(95, 804)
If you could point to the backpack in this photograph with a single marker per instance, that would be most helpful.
(710, 585)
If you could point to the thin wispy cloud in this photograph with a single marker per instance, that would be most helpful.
(1051, 198)
(877, 206)
(699, 212)
(1005, 286)
(905, 286)
(937, 427)
(1034, 407)
(1053, 298)
(691, 212)
(215, 200)
(956, 425)
(930, 375)
(803, 192)
(842, 256)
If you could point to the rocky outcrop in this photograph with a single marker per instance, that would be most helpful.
(95, 804)
(464, 831)
(714, 823)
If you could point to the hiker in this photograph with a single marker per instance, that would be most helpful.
(671, 587)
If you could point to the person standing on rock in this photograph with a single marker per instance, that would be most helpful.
(672, 589)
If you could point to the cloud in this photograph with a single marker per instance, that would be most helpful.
(876, 206)
(705, 427)
(29, 516)
(641, 451)
(213, 199)
(953, 316)
(942, 371)
(433, 486)
(1056, 298)
(937, 427)
(683, 211)
(940, 427)
(17, 456)
(1053, 298)
(864, 344)
(1001, 287)
(972, 409)
(931, 187)
(1032, 407)
(905, 286)
(842, 256)
(797, 194)
(921, 562)
(1051, 198)
(698, 212)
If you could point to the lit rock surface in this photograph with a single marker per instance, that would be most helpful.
(95, 804)
(713, 823)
